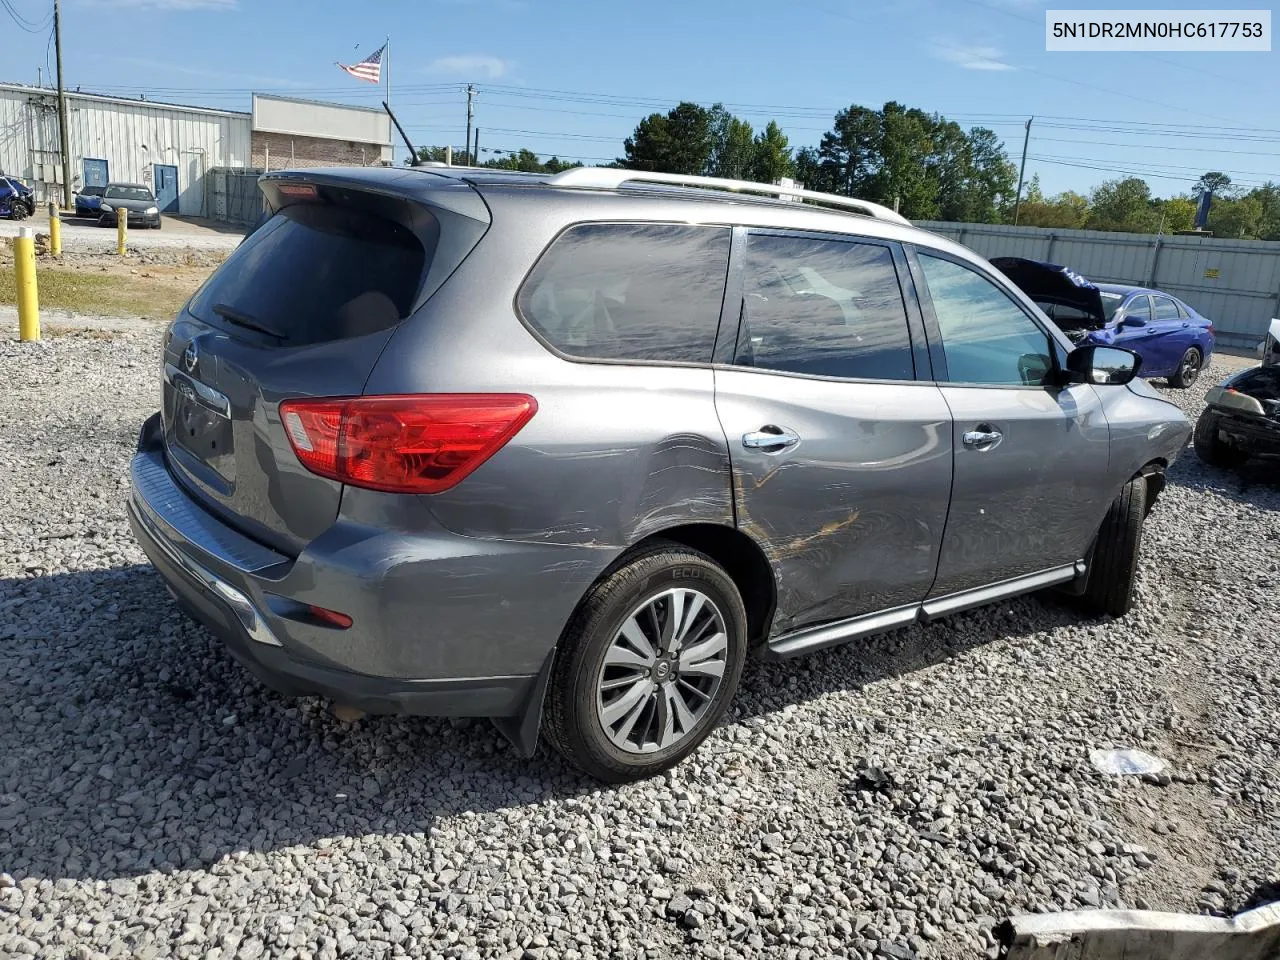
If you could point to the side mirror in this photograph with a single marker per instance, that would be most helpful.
(1103, 365)
(1133, 322)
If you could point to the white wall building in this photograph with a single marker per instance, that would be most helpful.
(165, 146)
(171, 148)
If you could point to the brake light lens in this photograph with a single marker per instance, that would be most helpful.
(419, 443)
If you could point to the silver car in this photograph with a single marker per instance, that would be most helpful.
(563, 450)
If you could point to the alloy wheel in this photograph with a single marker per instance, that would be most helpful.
(662, 671)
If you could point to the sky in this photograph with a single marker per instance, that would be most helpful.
(573, 79)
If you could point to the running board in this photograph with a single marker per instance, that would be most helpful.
(945, 606)
(809, 639)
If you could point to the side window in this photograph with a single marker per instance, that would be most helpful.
(630, 291)
(1139, 308)
(824, 307)
(986, 337)
(1166, 309)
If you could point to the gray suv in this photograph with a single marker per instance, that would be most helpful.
(561, 451)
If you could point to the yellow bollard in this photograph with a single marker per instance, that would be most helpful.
(24, 262)
(55, 230)
(122, 230)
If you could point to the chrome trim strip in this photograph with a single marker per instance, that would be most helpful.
(240, 604)
(158, 494)
(829, 634)
(942, 606)
(202, 393)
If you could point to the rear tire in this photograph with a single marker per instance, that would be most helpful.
(1113, 568)
(611, 708)
(1188, 371)
(1210, 448)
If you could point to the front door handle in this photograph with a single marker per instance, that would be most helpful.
(770, 438)
(983, 438)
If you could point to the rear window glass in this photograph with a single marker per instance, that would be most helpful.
(128, 193)
(828, 308)
(315, 273)
(1166, 309)
(630, 291)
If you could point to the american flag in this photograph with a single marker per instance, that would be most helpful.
(370, 68)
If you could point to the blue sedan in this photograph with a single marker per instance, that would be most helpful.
(1173, 340)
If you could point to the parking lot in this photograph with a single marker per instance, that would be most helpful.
(896, 797)
(85, 236)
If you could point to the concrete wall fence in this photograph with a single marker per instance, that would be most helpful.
(1235, 283)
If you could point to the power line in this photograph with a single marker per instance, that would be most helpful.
(30, 26)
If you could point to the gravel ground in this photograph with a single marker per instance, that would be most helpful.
(890, 799)
(83, 237)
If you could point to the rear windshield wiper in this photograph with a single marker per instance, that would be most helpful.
(232, 315)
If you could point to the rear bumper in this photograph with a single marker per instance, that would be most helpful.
(435, 658)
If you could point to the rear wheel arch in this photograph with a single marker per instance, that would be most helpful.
(1153, 474)
(739, 556)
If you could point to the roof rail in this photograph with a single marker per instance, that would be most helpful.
(610, 178)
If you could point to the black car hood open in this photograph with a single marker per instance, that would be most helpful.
(1052, 283)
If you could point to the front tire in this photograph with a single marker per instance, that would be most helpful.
(1210, 448)
(1113, 568)
(647, 665)
(1188, 371)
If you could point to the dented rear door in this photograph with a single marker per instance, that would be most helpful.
(841, 456)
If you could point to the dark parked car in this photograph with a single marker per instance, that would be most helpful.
(89, 202)
(561, 450)
(134, 197)
(1241, 418)
(1173, 340)
(17, 201)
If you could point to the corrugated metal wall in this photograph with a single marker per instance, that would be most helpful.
(132, 136)
(1235, 283)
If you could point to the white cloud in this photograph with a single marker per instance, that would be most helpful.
(972, 57)
(470, 66)
(165, 4)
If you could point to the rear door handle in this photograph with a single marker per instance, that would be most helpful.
(770, 438)
(984, 438)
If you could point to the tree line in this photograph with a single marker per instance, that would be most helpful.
(1127, 205)
(922, 164)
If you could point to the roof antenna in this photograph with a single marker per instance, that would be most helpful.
(414, 159)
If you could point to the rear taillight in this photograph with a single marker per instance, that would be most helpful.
(403, 444)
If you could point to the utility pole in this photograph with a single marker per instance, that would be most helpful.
(1022, 170)
(471, 92)
(62, 108)
(475, 160)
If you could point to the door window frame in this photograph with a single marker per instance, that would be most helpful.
(1058, 345)
(730, 331)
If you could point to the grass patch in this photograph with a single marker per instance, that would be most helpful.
(150, 292)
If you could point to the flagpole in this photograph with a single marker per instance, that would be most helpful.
(386, 57)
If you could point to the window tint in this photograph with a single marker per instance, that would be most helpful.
(986, 338)
(630, 291)
(316, 272)
(1139, 307)
(1166, 309)
(824, 307)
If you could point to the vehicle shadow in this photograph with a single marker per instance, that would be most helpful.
(770, 686)
(138, 744)
(134, 742)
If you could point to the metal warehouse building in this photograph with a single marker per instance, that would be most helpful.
(172, 148)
